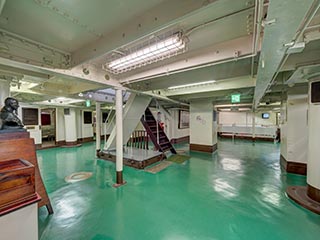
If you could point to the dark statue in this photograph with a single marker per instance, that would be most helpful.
(9, 119)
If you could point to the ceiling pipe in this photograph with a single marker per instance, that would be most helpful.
(2, 2)
(256, 30)
(189, 31)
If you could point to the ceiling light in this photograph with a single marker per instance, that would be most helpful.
(153, 53)
(192, 84)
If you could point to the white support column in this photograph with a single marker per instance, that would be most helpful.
(70, 126)
(294, 133)
(4, 91)
(98, 126)
(309, 196)
(119, 137)
(313, 173)
(202, 132)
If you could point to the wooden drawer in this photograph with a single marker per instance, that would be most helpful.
(17, 183)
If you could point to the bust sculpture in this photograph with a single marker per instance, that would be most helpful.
(9, 119)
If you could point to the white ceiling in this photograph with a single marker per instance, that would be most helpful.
(60, 46)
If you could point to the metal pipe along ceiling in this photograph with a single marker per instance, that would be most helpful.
(2, 3)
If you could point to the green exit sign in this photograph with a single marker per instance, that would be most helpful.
(235, 98)
(88, 103)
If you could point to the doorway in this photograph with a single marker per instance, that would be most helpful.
(48, 127)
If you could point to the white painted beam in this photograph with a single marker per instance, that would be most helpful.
(21, 49)
(94, 75)
(168, 16)
(233, 50)
(227, 84)
(285, 21)
(2, 3)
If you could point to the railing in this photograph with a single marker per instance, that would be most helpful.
(139, 139)
(108, 123)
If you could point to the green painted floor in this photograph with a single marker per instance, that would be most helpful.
(236, 193)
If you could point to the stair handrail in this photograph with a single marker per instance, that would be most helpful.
(106, 128)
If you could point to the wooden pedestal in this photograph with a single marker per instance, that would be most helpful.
(17, 184)
(19, 146)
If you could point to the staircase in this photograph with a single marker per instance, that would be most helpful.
(132, 112)
(150, 124)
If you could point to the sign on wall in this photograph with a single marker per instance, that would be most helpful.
(235, 98)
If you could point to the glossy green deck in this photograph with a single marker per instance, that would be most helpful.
(236, 193)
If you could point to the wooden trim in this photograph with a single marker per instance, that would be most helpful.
(87, 139)
(180, 140)
(38, 146)
(293, 167)
(119, 181)
(14, 135)
(247, 137)
(131, 162)
(119, 177)
(299, 194)
(71, 143)
(313, 193)
(23, 203)
(61, 143)
(203, 148)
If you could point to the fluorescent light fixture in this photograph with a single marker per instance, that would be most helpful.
(153, 53)
(192, 84)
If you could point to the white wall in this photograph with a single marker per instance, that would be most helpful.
(245, 118)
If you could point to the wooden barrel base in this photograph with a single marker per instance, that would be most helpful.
(300, 196)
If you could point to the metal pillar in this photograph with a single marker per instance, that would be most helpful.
(119, 138)
(253, 126)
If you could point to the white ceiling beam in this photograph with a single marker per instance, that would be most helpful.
(285, 23)
(233, 50)
(9, 70)
(303, 59)
(21, 49)
(77, 73)
(168, 16)
(227, 84)
(155, 18)
(2, 3)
